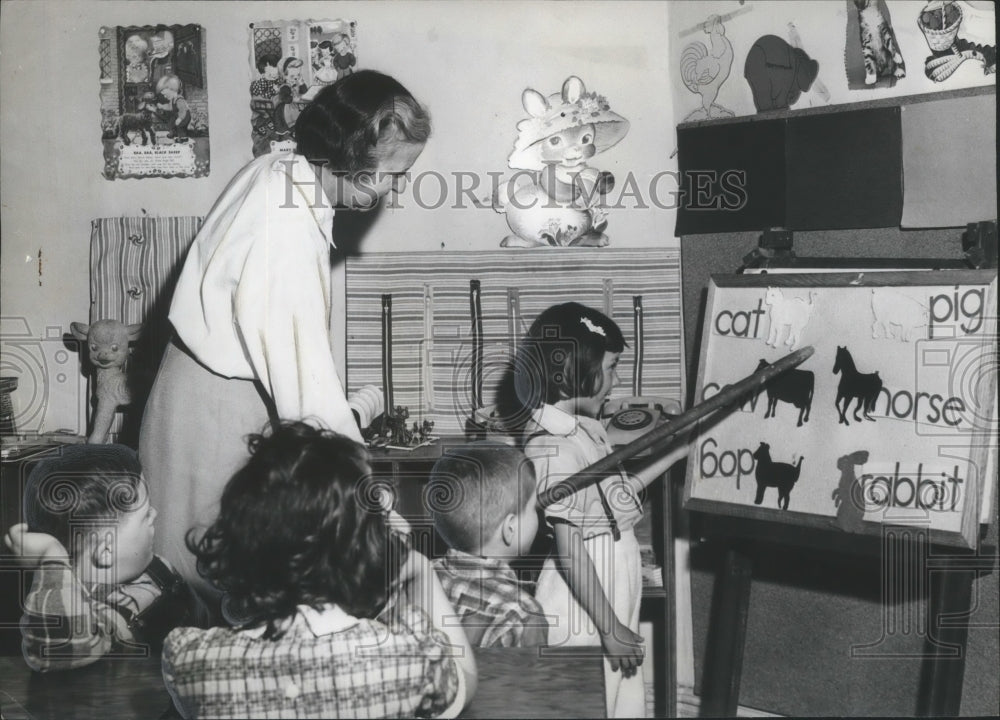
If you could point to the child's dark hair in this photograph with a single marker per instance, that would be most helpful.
(474, 487)
(345, 121)
(296, 527)
(290, 62)
(266, 59)
(83, 485)
(562, 355)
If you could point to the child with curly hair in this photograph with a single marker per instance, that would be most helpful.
(332, 612)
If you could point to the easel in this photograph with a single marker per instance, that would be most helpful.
(949, 572)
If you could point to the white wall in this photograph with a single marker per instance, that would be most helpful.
(467, 61)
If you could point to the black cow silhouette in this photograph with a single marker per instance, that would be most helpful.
(792, 386)
(777, 475)
(864, 387)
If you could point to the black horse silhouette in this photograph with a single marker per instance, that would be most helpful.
(855, 385)
(777, 475)
(793, 386)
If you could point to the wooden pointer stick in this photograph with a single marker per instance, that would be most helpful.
(722, 18)
(659, 437)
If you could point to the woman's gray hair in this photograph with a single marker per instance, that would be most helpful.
(343, 124)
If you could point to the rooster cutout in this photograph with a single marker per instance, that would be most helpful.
(704, 69)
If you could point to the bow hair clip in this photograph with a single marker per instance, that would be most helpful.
(592, 327)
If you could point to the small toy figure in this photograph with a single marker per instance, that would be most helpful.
(107, 343)
(559, 204)
(390, 430)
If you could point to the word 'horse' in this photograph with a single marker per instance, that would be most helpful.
(864, 387)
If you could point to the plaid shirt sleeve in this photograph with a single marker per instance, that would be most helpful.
(63, 627)
(516, 629)
(494, 610)
(442, 677)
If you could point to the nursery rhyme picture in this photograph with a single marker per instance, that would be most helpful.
(290, 62)
(154, 101)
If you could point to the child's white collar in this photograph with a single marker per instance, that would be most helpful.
(329, 620)
(555, 421)
(326, 621)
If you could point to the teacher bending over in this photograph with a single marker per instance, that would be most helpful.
(251, 310)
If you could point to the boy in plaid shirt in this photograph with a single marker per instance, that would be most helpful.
(98, 589)
(492, 521)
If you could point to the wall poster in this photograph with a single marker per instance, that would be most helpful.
(291, 61)
(154, 101)
(890, 422)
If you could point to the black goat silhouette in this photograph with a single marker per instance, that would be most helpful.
(855, 385)
(777, 475)
(792, 386)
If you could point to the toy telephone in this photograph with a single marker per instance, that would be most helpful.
(631, 417)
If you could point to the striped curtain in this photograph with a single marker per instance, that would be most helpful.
(134, 264)
(434, 338)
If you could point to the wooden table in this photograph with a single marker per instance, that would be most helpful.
(112, 689)
(523, 682)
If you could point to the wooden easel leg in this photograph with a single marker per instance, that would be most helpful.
(942, 674)
(669, 674)
(724, 657)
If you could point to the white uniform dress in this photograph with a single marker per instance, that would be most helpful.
(251, 318)
(560, 445)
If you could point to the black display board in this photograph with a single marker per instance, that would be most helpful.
(844, 170)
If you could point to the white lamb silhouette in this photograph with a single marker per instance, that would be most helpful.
(896, 315)
(792, 313)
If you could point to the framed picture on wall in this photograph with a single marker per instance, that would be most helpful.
(891, 421)
(154, 101)
(291, 61)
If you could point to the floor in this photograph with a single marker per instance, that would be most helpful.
(688, 704)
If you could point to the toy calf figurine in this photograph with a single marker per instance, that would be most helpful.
(107, 343)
